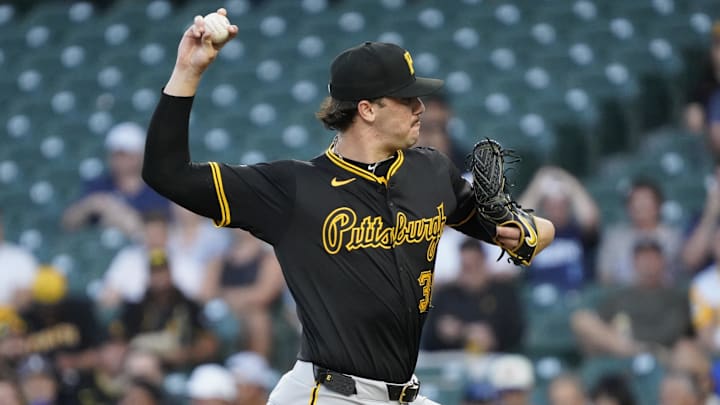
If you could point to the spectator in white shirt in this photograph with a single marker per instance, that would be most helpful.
(17, 271)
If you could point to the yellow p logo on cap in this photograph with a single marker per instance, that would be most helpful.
(408, 60)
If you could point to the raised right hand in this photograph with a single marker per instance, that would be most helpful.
(195, 53)
(196, 50)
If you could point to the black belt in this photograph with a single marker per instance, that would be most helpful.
(345, 385)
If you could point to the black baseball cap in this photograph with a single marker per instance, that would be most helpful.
(377, 69)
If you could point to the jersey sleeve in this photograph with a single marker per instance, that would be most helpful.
(465, 218)
(256, 198)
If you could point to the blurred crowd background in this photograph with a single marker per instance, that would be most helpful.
(111, 294)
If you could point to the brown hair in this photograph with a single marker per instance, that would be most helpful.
(338, 115)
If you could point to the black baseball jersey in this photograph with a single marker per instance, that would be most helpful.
(357, 249)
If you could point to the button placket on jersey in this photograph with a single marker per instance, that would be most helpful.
(397, 255)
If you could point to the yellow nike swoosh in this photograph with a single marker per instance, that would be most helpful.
(531, 238)
(337, 183)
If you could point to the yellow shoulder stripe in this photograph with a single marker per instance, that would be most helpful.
(222, 199)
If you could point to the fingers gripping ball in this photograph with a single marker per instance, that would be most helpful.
(487, 165)
(217, 25)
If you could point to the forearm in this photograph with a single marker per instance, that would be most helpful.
(182, 83)
(599, 336)
(697, 248)
(585, 209)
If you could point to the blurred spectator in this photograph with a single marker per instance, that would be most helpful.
(615, 256)
(197, 240)
(12, 330)
(698, 103)
(479, 393)
(105, 384)
(210, 384)
(9, 389)
(688, 357)
(128, 275)
(142, 392)
(18, 271)
(120, 197)
(705, 301)
(60, 326)
(435, 128)
(697, 251)
(626, 321)
(250, 280)
(612, 389)
(166, 322)
(253, 377)
(679, 388)
(144, 366)
(39, 383)
(566, 389)
(512, 377)
(472, 312)
(561, 198)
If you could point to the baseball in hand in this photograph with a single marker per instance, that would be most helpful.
(217, 25)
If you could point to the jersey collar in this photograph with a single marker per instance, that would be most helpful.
(366, 174)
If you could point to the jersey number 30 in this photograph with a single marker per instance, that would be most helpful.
(425, 280)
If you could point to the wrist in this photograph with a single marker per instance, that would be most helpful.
(183, 82)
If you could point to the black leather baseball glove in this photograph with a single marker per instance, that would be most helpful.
(487, 165)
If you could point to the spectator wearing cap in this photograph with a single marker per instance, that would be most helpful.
(166, 322)
(705, 301)
(18, 271)
(60, 326)
(625, 322)
(253, 376)
(512, 377)
(471, 313)
(119, 197)
(211, 384)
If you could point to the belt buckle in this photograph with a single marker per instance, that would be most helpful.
(414, 386)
